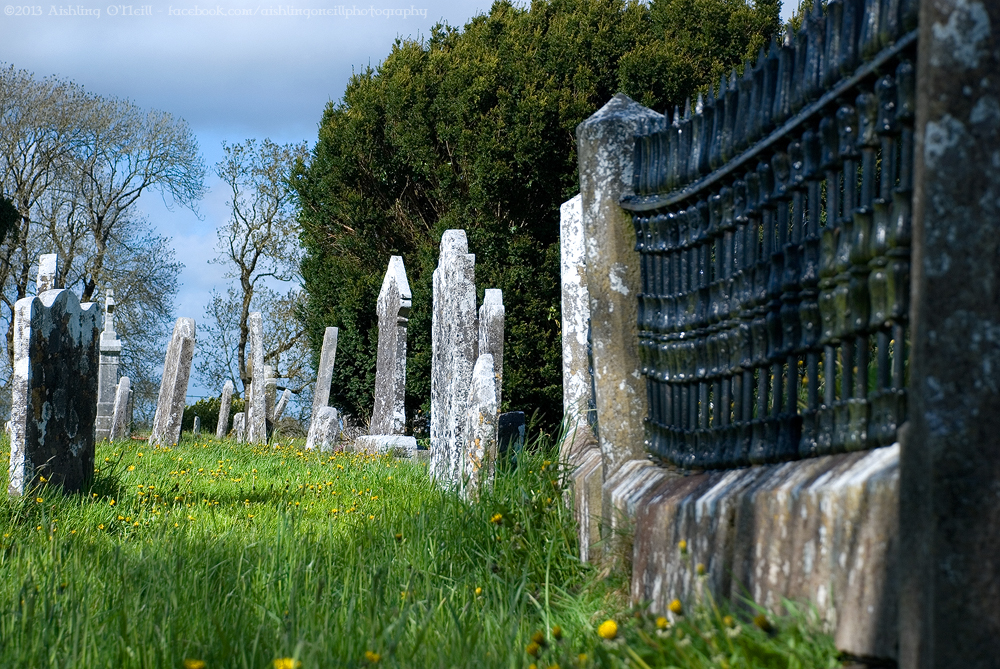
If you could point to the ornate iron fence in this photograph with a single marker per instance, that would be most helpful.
(773, 226)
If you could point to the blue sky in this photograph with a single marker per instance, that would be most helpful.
(232, 69)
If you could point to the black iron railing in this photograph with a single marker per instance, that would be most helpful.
(773, 226)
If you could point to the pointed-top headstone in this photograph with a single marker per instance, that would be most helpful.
(491, 334)
(119, 416)
(394, 300)
(324, 377)
(222, 427)
(173, 386)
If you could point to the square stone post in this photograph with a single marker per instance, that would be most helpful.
(606, 142)
(950, 458)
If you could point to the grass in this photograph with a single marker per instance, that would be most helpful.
(212, 554)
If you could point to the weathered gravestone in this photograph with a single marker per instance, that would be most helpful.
(222, 427)
(196, 428)
(54, 387)
(256, 412)
(270, 393)
(491, 321)
(324, 377)
(327, 423)
(279, 409)
(453, 354)
(119, 415)
(480, 433)
(48, 268)
(173, 387)
(239, 426)
(394, 300)
(111, 352)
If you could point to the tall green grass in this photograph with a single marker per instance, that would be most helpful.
(238, 556)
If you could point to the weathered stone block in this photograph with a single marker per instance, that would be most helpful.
(279, 410)
(119, 416)
(823, 530)
(575, 315)
(327, 423)
(586, 480)
(54, 388)
(324, 378)
(491, 333)
(173, 386)
(240, 427)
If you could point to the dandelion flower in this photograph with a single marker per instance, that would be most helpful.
(728, 621)
(538, 638)
(286, 663)
(682, 545)
(497, 517)
(700, 569)
(372, 657)
(479, 591)
(761, 621)
(194, 664)
(608, 630)
(556, 632)
(39, 500)
(101, 526)
(661, 623)
(532, 649)
(676, 607)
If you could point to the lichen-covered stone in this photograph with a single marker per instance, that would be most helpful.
(173, 386)
(327, 423)
(54, 390)
(279, 410)
(575, 315)
(394, 301)
(586, 479)
(454, 340)
(479, 451)
(823, 530)
(605, 146)
(119, 415)
(225, 405)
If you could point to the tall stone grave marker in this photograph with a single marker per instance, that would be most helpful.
(240, 426)
(327, 423)
(394, 300)
(225, 405)
(119, 414)
(196, 428)
(256, 413)
(279, 409)
(480, 433)
(111, 352)
(173, 387)
(491, 319)
(324, 377)
(454, 341)
(54, 387)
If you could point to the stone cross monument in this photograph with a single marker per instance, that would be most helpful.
(111, 351)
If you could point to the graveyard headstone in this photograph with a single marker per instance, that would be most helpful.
(119, 416)
(256, 413)
(324, 377)
(394, 300)
(491, 334)
(239, 426)
(225, 405)
(480, 433)
(173, 387)
(110, 352)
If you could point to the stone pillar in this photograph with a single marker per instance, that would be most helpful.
(270, 396)
(239, 426)
(111, 352)
(173, 386)
(950, 459)
(577, 380)
(225, 405)
(454, 339)
(491, 320)
(119, 415)
(256, 413)
(54, 390)
(324, 377)
(605, 142)
(479, 449)
(196, 428)
(279, 409)
(394, 300)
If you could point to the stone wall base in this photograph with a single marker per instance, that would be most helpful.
(823, 531)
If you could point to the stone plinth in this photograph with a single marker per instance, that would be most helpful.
(54, 391)
(225, 405)
(479, 452)
(394, 301)
(823, 530)
(396, 445)
(605, 145)
(173, 387)
(454, 340)
(119, 415)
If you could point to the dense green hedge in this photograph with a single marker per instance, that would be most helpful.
(474, 129)
(208, 410)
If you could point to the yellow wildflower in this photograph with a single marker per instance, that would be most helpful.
(286, 663)
(556, 632)
(608, 630)
(532, 649)
(661, 623)
(497, 517)
(194, 664)
(676, 607)
(479, 591)
(39, 500)
(682, 545)
(728, 621)
(372, 657)
(700, 569)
